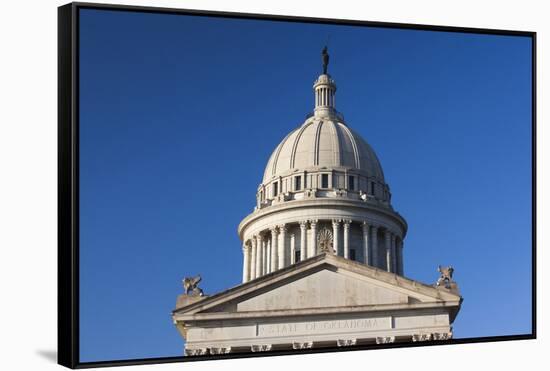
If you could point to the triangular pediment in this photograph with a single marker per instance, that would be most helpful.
(322, 282)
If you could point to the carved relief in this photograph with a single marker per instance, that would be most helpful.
(324, 240)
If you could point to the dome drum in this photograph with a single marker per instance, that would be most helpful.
(335, 183)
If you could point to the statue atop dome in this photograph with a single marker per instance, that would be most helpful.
(325, 57)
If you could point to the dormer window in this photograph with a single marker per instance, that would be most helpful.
(297, 183)
(324, 180)
(351, 183)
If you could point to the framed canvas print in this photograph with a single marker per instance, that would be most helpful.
(238, 185)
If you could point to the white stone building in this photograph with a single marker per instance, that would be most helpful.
(322, 255)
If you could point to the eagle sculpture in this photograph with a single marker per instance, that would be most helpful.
(446, 276)
(190, 284)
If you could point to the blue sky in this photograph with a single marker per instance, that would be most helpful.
(164, 97)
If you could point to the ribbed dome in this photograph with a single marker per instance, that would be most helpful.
(323, 143)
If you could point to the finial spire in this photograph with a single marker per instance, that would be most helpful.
(325, 57)
(325, 90)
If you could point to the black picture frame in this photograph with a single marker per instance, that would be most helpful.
(68, 178)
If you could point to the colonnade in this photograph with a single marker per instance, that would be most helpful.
(271, 250)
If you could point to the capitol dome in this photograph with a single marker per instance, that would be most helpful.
(323, 190)
(323, 143)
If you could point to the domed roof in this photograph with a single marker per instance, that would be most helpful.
(322, 143)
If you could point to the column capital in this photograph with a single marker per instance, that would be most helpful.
(196, 351)
(347, 222)
(421, 337)
(220, 350)
(303, 224)
(304, 345)
(346, 342)
(385, 339)
(365, 225)
(260, 348)
(274, 231)
(442, 335)
(336, 222)
(313, 222)
(283, 228)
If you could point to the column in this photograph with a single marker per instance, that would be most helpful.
(366, 243)
(374, 246)
(292, 248)
(253, 260)
(246, 263)
(274, 244)
(268, 256)
(393, 253)
(264, 256)
(347, 224)
(282, 247)
(313, 250)
(400, 257)
(303, 235)
(336, 235)
(387, 235)
(259, 256)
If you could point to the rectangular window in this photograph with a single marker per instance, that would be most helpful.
(275, 189)
(324, 180)
(296, 256)
(351, 183)
(297, 183)
(352, 254)
(372, 188)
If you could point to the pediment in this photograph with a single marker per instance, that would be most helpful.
(322, 282)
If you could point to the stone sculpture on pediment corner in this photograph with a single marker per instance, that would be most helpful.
(191, 286)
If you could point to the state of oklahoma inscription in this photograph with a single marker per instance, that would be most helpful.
(321, 327)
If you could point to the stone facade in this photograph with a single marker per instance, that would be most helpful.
(323, 301)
